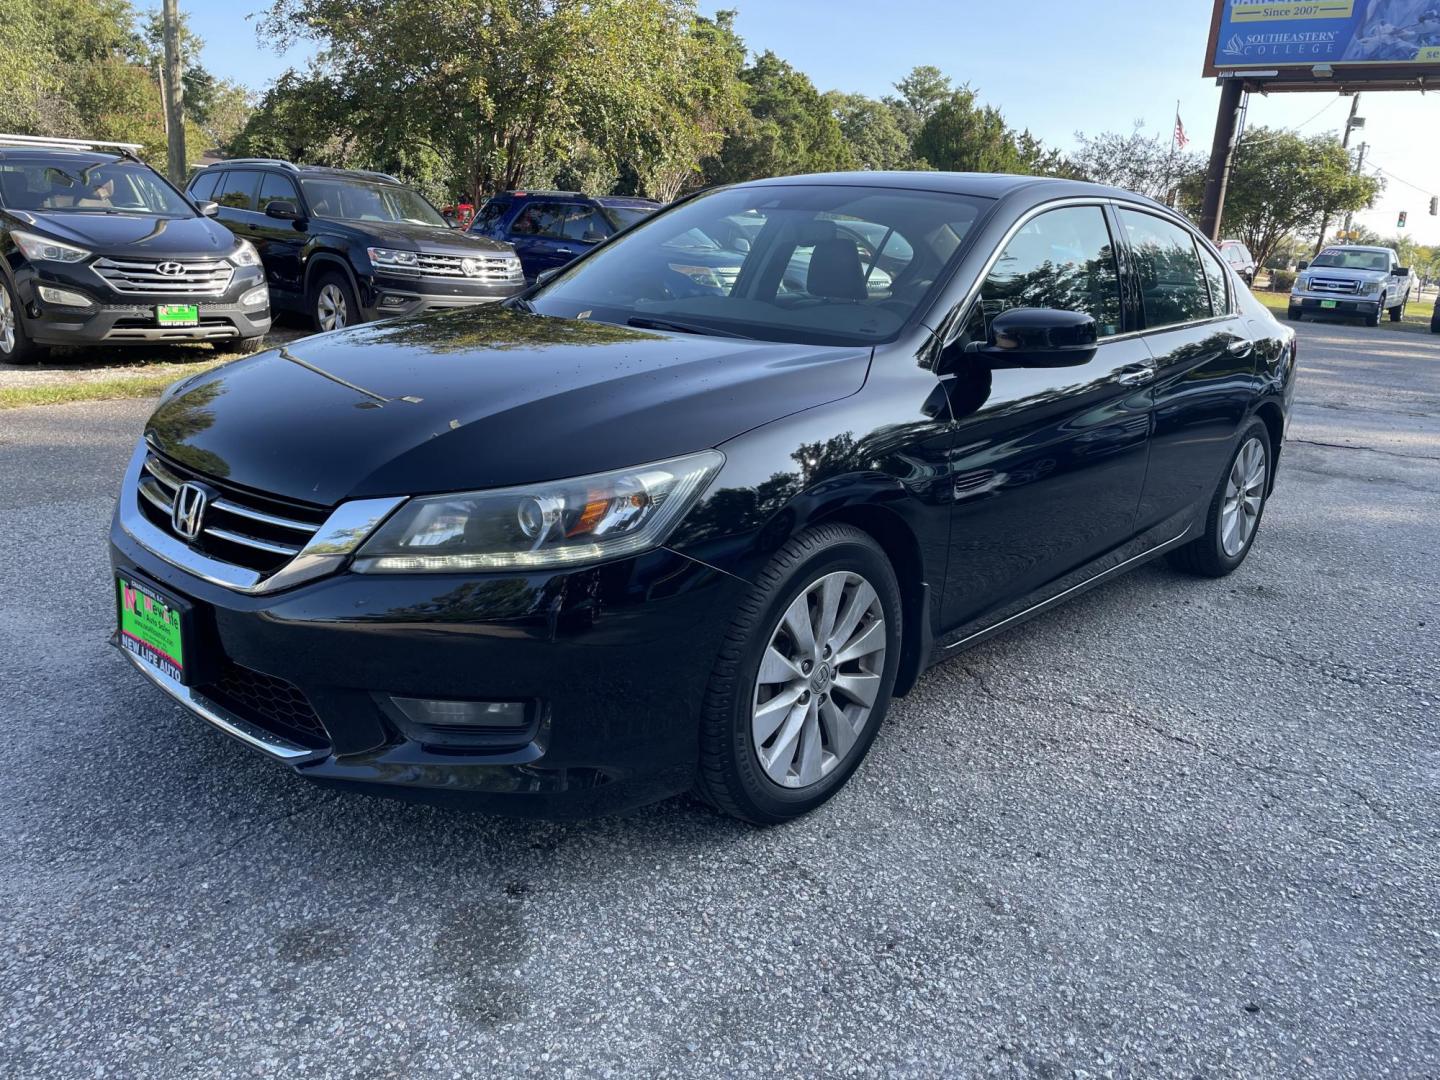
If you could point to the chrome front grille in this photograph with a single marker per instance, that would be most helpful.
(258, 533)
(490, 269)
(1338, 286)
(194, 278)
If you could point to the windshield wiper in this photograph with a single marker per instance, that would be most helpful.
(644, 323)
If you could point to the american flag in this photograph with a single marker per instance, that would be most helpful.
(1181, 139)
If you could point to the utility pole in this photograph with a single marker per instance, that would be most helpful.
(1359, 168)
(173, 91)
(1350, 125)
(1222, 157)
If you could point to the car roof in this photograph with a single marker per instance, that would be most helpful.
(625, 200)
(1359, 247)
(47, 153)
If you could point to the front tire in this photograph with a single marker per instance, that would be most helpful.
(332, 302)
(1372, 320)
(1232, 519)
(240, 346)
(1295, 314)
(15, 345)
(803, 679)
(1397, 312)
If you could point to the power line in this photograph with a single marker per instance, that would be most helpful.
(1328, 106)
(1402, 180)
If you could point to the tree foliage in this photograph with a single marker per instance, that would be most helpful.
(1283, 183)
(1139, 162)
(873, 130)
(961, 135)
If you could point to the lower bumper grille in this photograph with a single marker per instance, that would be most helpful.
(271, 702)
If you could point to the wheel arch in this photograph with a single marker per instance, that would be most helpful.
(320, 262)
(1273, 416)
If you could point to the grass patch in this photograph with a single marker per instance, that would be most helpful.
(131, 386)
(1416, 321)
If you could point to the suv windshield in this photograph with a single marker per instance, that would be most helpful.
(821, 265)
(67, 185)
(1339, 259)
(360, 200)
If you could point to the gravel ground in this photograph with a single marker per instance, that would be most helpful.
(1175, 829)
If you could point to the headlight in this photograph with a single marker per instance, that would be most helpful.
(564, 523)
(40, 248)
(1302, 282)
(1373, 288)
(410, 260)
(245, 255)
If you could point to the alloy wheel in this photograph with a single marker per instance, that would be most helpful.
(818, 680)
(1244, 497)
(7, 323)
(330, 307)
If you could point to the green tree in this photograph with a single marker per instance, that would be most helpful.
(1145, 164)
(1283, 183)
(872, 131)
(789, 129)
(963, 136)
(920, 94)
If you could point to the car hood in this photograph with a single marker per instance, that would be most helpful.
(482, 398)
(136, 235)
(1347, 274)
(407, 237)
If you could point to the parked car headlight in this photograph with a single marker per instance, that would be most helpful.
(1302, 283)
(245, 255)
(1372, 288)
(390, 257)
(562, 523)
(40, 248)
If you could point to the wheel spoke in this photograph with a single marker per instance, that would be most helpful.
(860, 602)
(782, 755)
(838, 728)
(862, 687)
(831, 593)
(769, 716)
(797, 621)
(776, 668)
(869, 640)
(811, 749)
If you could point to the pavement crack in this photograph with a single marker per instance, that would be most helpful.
(1367, 449)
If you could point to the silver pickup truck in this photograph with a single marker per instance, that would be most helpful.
(1352, 280)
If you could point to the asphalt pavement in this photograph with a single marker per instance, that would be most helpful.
(1178, 828)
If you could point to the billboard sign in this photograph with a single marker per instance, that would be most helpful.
(1271, 34)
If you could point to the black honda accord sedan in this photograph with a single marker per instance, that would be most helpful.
(650, 528)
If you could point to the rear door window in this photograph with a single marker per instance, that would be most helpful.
(1172, 282)
(237, 189)
(1218, 281)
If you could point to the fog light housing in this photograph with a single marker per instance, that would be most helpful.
(256, 297)
(63, 297)
(473, 724)
(392, 301)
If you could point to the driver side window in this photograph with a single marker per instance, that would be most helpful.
(1063, 260)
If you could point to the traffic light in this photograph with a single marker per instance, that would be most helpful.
(1404, 218)
(1435, 205)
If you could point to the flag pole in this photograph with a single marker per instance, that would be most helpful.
(1170, 161)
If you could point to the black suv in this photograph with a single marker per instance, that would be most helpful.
(345, 246)
(97, 246)
(550, 228)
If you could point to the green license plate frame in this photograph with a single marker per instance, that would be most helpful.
(177, 315)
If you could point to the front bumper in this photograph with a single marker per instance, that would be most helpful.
(114, 318)
(1321, 304)
(615, 657)
(385, 296)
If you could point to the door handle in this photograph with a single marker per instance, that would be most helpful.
(563, 251)
(1137, 375)
(1240, 349)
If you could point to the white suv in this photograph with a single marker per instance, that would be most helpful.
(1363, 281)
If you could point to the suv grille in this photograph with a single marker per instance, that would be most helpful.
(208, 278)
(240, 527)
(1339, 286)
(493, 269)
(271, 702)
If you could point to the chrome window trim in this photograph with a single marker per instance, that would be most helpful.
(326, 552)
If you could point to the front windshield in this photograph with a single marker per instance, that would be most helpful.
(805, 263)
(67, 185)
(1340, 259)
(360, 200)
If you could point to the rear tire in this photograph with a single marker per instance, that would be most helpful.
(1232, 519)
(332, 302)
(768, 766)
(15, 345)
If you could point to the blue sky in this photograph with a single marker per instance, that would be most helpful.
(1053, 66)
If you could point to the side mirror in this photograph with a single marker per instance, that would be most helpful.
(593, 237)
(1302, 266)
(283, 209)
(1040, 338)
(1402, 271)
(545, 275)
(207, 208)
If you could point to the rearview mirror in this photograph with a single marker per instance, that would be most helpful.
(283, 209)
(208, 209)
(1039, 338)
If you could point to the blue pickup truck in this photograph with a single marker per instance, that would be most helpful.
(549, 228)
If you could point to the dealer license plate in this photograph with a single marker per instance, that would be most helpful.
(1329, 303)
(152, 626)
(177, 315)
